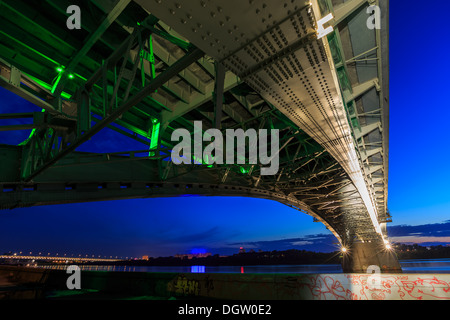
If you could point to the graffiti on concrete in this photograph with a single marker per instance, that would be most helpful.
(389, 287)
(381, 286)
(184, 287)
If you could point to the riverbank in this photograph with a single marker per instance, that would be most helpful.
(38, 283)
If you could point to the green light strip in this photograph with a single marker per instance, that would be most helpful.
(56, 83)
(47, 58)
(29, 48)
(47, 86)
(30, 136)
(151, 56)
(155, 137)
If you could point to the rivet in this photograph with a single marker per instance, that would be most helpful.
(178, 5)
(172, 11)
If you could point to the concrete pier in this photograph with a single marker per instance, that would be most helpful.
(362, 256)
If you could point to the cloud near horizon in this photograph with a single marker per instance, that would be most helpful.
(426, 235)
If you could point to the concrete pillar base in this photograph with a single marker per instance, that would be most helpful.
(362, 255)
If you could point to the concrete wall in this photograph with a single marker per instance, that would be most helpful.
(243, 286)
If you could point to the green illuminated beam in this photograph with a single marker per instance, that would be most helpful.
(29, 48)
(155, 136)
(56, 82)
(151, 56)
(45, 85)
(92, 39)
(30, 136)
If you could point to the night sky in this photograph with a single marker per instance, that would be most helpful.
(419, 176)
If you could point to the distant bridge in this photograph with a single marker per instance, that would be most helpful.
(147, 68)
(56, 258)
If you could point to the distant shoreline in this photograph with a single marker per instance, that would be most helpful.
(261, 258)
(287, 257)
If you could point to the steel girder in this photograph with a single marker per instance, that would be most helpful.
(136, 49)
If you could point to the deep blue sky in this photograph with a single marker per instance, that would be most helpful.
(418, 176)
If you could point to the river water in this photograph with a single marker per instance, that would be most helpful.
(408, 266)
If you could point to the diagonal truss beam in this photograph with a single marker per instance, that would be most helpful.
(93, 38)
(173, 70)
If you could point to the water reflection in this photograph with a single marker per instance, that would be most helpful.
(197, 269)
(426, 266)
(408, 266)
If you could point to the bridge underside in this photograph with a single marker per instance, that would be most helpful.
(146, 68)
